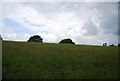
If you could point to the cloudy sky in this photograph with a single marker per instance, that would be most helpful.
(91, 23)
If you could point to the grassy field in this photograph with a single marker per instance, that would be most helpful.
(23, 60)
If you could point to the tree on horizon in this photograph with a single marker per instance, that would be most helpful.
(35, 38)
(67, 41)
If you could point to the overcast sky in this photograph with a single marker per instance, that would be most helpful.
(91, 23)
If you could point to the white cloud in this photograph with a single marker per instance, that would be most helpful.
(85, 23)
(48, 37)
(23, 15)
(26, 36)
(59, 0)
(0, 18)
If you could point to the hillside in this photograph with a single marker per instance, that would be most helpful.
(31, 60)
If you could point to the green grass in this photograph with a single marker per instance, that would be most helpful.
(32, 60)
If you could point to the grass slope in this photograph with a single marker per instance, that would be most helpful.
(23, 60)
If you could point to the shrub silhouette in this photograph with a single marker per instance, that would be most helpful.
(104, 44)
(118, 45)
(1, 37)
(112, 45)
(67, 41)
(35, 38)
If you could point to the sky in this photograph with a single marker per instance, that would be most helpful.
(89, 23)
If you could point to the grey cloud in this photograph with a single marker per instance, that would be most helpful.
(87, 13)
(109, 17)
(90, 28)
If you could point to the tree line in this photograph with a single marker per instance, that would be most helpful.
(37, 38)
